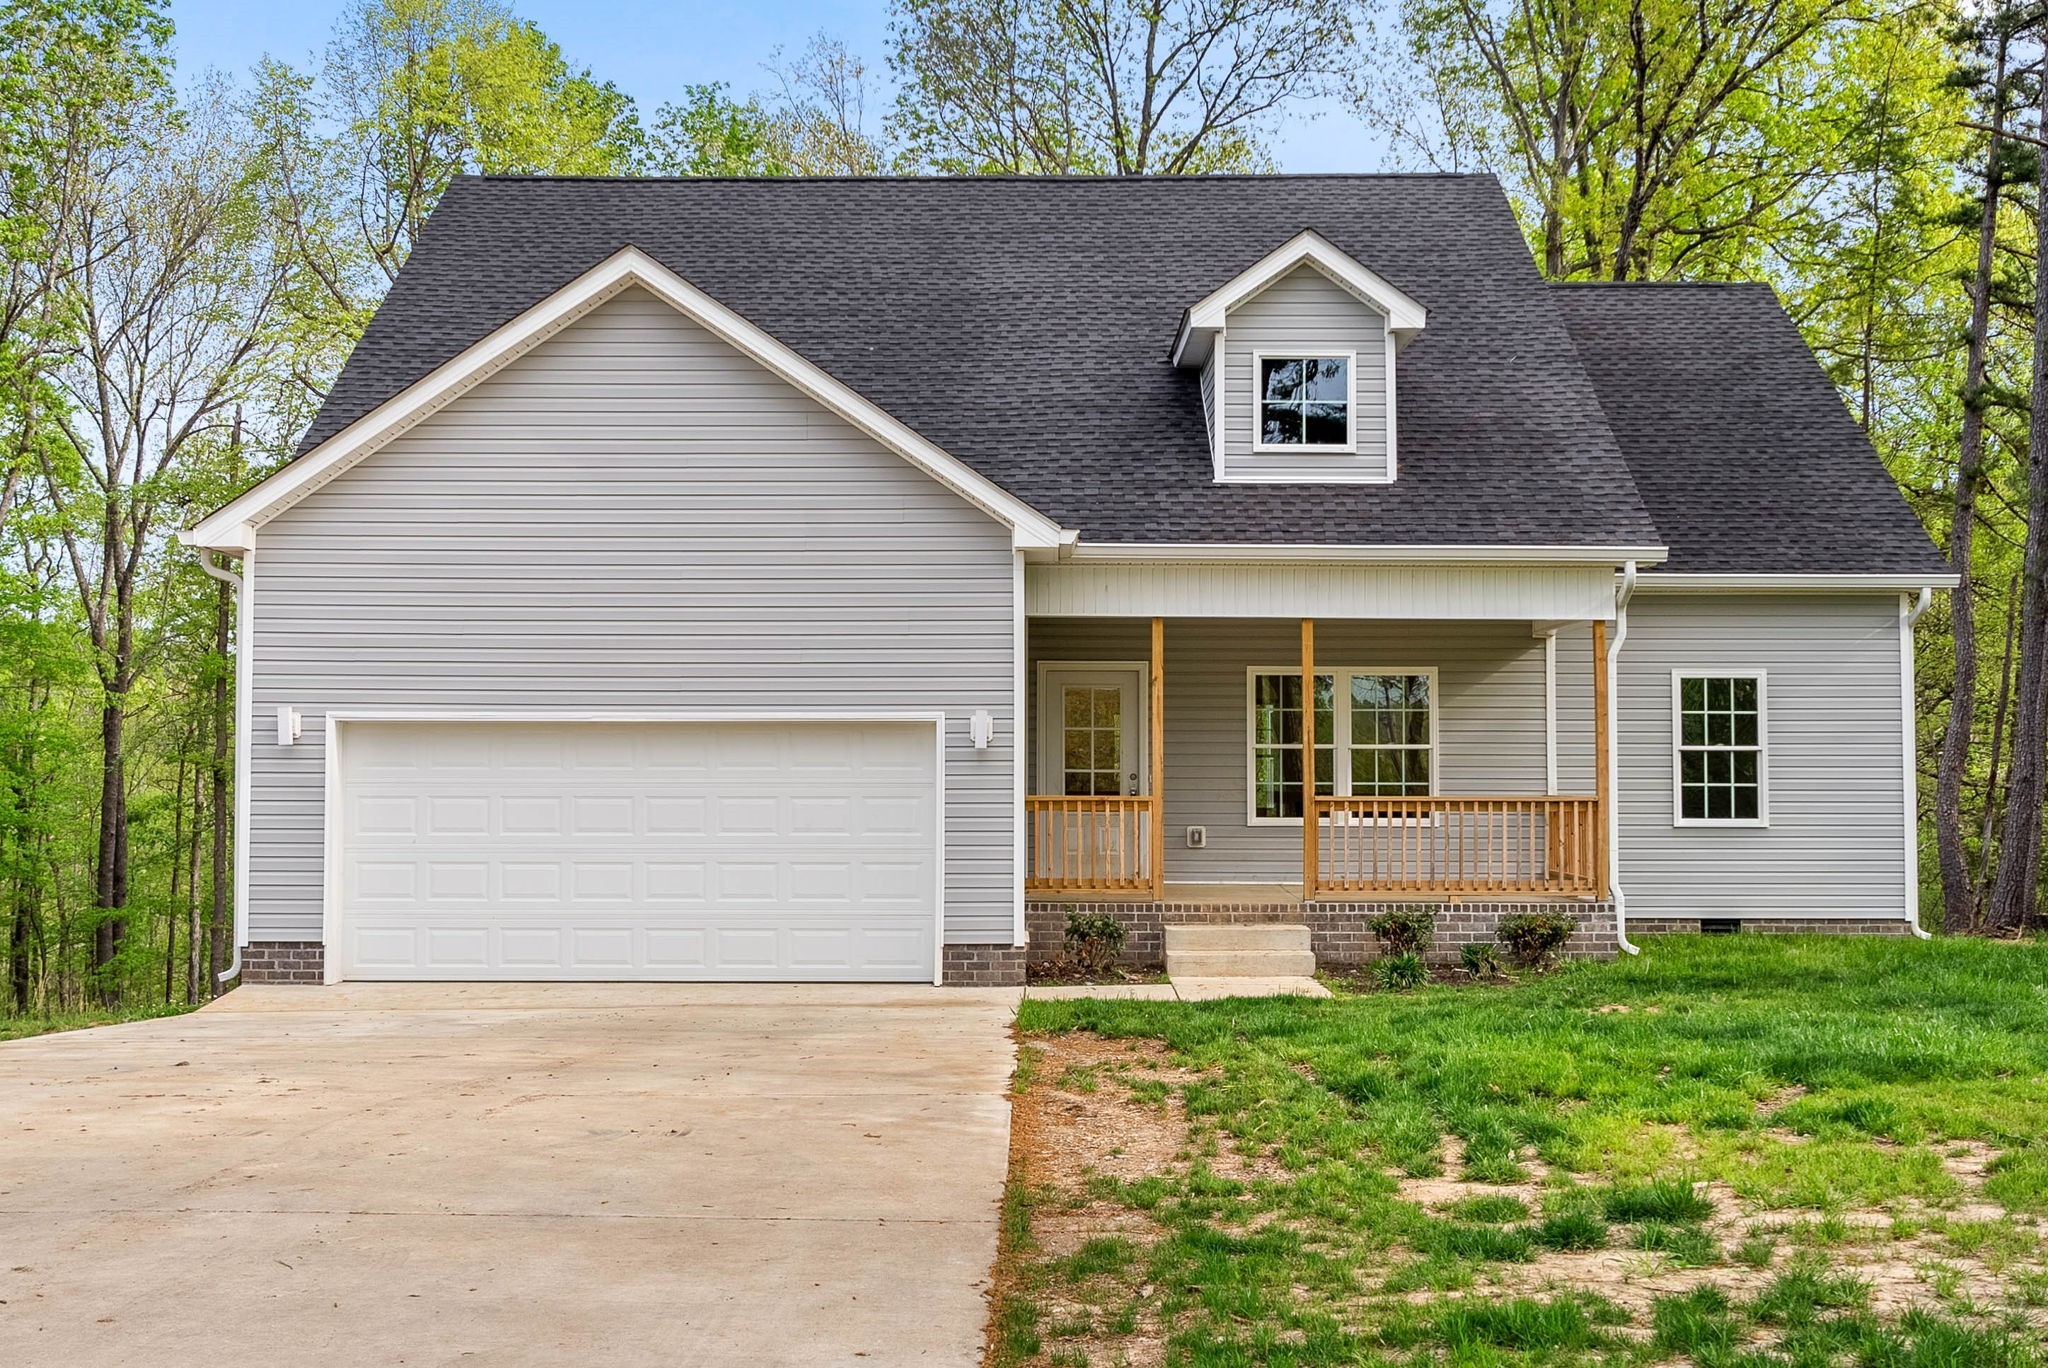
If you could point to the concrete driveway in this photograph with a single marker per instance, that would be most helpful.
(568, 1174)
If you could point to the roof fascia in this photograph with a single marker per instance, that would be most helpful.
(1679, 583)
(1199, 325)
(1419, 554)
(629, 267)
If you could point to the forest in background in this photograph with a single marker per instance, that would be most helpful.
(188, 257)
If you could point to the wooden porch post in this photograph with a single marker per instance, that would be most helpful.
(1309, 833)
(1157, 714)
(1603, 762)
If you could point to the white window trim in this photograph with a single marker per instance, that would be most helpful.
(1349, 447)
(1763, 747)
(1340, 734)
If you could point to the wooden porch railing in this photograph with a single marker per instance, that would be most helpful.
(1456, 846)
(1092, 845)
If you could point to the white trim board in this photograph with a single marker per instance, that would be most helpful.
(233, 526)
(1205, 319)
(331, 815)
(1652, 582)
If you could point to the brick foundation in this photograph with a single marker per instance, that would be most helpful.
(284, 962)
(983, 966)
(1337, 930)
(1804, 926)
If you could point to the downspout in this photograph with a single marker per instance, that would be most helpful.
(1907, 738)
(234, 581)
(1622, 594)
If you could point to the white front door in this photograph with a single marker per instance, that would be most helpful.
(637, 850)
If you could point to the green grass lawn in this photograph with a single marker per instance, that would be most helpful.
(21, 1027)
(1733, 1153)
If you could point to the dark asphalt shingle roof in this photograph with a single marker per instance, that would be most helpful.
(1740, 446)
(1023, 325)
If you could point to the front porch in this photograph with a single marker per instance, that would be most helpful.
(1457, 762)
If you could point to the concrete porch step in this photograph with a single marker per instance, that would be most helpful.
(1262, 950)
(1236, 936)
(1257, 964)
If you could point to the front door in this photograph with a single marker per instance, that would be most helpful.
(1091, 729)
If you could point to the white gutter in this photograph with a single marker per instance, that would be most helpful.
(1679, 583)
(241, 875)
(1309, 551)
(1622, 594)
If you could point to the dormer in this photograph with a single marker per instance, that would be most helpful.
(1297, 362)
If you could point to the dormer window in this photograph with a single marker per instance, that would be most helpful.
(1305, 403)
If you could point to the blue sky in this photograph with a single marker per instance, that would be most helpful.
(652, 49)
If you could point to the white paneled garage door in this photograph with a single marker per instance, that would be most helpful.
(637, 850)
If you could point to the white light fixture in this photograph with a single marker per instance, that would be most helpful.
(289, 724)
(982, 728)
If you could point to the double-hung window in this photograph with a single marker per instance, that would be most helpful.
(1374, 734)
(1304, 402)
(1718, 743)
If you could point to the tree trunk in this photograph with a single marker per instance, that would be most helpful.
(18, 937)
(1958, 888)
(111, 888)
(2016, 889)
(177, 874)
(1987, 840)
(222, 730)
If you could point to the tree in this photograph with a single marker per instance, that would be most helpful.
(1644, 137)
(707, 133)
(1183, 87)
(2015, 893)
(171, 302)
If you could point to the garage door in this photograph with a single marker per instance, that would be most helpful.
(671, 850)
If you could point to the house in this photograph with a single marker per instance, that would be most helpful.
(845, 579)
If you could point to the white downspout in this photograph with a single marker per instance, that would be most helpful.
(1908, 618)
(241, 871)
(1622, 594)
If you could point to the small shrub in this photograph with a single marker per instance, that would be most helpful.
(1094, 940)
(1480, 959)
(1536, 937)
(1574, 1228)
(1671, 1200)
(1397, 973)
(1404, 930)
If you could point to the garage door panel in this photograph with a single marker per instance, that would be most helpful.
(665, 850)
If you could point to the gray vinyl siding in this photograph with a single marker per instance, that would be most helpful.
(1835, 846)
(1490, 728)
(632, 517)
(1305, 313)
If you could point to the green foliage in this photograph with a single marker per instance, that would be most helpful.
(1480, 959)
(1403, 930)
(707, 133)
(1535, 937)
(1094, 940)
(1688, 1246)
(1399, 973)
(1572, 1228)
(1659, 1199)
(1493, 1208)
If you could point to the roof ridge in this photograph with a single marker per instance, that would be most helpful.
(1004, 178)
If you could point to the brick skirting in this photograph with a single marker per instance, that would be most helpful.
(284, 962)
(1804, 926)
(1337, 930)
(983, 966)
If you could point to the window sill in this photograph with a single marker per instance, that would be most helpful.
(1751, 823)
